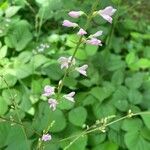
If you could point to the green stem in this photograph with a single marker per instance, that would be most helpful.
(97, 128)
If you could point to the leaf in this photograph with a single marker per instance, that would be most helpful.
(16, 132)
(19, 35)
(3, 51)
(91, 50)
(146, 119)
(103, 110)
(39, 60)
(143, 63)
(102, 93)
(118, 77)
(3, 106)
(132, 83)
(131, 58)
(10, 79)
(135, 141)
(132, 124)
(11, 11)
(135, 97)
(4, 131)
(79, 144)
(109, 145)
(7, 93)
(77, 116)
(23, 70)
(45, 116)
(53, 71)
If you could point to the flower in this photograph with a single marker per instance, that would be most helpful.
(75, 14)
(64, 61)
(82, 32)
(68, 23)
(107, 13)
(97, 34)
(52, 103)
(70, 96)
(48, 90)
(94, 41)
(46, 137)
(82, 69)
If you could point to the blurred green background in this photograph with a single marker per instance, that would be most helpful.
(118, 74)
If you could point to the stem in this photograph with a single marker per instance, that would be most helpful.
(97, 128)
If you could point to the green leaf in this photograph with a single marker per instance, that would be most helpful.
(135, 141)
(146, 119)
(132, 83)
(91, 50)
(65, 104)
(4, 131)
(106, 146)
(46, 116)
(96, 138)
(8, 93)
(23, 70)
(10, 79)
(132, 124)
(3, 106)
(39, 60)
(135, 97)
(77, 116)
(19, 35)
(118, 77)
(143, 63)
(11, 11)
(16, 132)
(102, 93)
(79, 144)
(53, 71)
(3, 51)
(131, 58)
(103, 110)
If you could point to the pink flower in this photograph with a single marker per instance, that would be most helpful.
(97, 34)
(82, 32)
(48, 90)
(46, 137)
(82, 69)
(107, 13)
(75, 14)
(64, 61)
(70, 96)
(68, 23)
(94, 41)
(52, 103)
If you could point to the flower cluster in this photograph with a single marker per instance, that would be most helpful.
(70, 62)
(49, 92)
(46, 137)
(65, 62)
(105, 13)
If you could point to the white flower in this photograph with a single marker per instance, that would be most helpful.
(107, 13)
(82, 69)
(64, 61)
(70, 96)
(48, 90)
(97, 34)
(52, 103)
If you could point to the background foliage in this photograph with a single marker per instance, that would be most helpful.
(118, 75)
